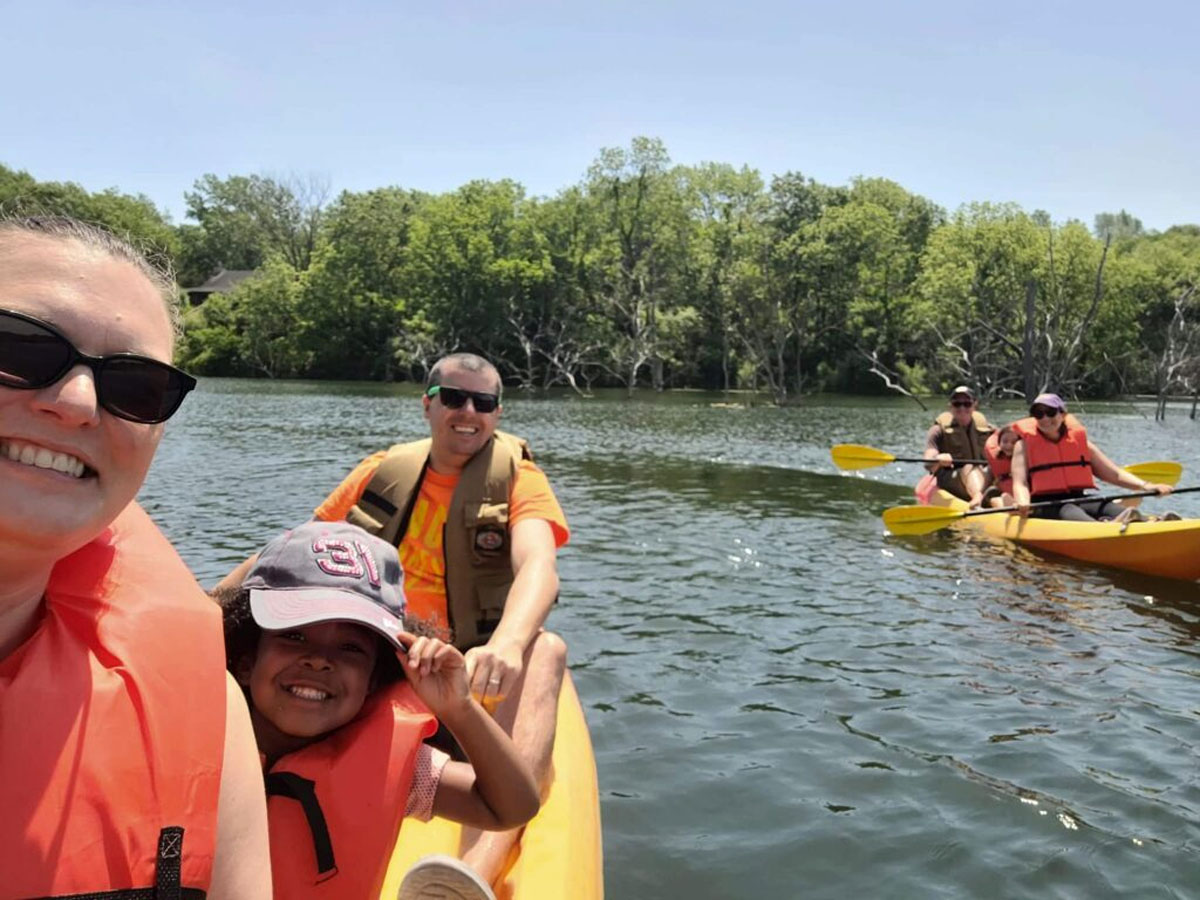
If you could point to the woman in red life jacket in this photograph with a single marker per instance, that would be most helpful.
(132, 769)
(316, 636)
(1055, 460)
(999, 450)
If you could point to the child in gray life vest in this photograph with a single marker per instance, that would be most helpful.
(342, 694)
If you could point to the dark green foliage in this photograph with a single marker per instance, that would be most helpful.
(648, 273)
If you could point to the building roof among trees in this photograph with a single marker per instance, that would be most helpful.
(224, 280)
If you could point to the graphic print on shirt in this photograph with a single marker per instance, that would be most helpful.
(424, 564)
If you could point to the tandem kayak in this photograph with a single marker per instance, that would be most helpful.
(559, 854)
(1165, 549)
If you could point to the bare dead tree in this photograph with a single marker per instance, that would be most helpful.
(1179, 360)
(890, 378)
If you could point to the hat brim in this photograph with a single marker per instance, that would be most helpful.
(279, 610)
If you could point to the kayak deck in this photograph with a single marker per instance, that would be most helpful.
(1165, 549)
(559, 854)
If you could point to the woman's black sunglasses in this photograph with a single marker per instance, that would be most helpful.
(456, 398)
(34, 354)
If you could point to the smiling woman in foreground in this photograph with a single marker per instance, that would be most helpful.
(127, 758)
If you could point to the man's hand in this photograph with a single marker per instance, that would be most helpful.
(493, 670)
(944, 461)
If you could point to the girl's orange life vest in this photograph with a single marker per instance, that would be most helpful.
(334, 808)
(1056, 467)
(1000, 466)
(112, 727)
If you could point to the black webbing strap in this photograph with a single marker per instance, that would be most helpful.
(168, 871)
(1082, 461)
(168, 865)
(128, 894)
(303, 791)
(412, 501)
(380, 502)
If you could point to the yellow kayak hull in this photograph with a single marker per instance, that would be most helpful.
(1165, 549)
(559, 854)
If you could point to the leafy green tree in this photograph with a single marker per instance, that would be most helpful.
(133, 217)
(243, 219)
(1117, 226)
(639, 264)
(359, 323)
(728, 206)
(252, 330)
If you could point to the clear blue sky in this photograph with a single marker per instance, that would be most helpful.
(1073, 108)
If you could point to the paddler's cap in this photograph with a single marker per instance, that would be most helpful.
(1050, 401)
(328, 572)
(962, 391)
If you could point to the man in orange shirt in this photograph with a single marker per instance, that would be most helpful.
(477, 528)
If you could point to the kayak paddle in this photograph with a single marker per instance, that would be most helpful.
(857, 456)
(925, 519)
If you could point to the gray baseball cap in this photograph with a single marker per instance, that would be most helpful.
(328, 572)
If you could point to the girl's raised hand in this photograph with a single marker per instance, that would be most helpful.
(437, 672)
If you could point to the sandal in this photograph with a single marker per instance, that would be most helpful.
(439, 877)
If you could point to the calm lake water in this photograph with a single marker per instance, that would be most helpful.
(786, 702)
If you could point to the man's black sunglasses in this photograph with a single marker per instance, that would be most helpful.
(34, 354)
(456, 398)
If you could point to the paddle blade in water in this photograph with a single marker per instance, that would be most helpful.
(1161, 472)
(919, 519)
(856, 456)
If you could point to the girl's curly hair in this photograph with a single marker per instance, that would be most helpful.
(242, 634)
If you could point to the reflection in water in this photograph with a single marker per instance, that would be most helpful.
(786, 701)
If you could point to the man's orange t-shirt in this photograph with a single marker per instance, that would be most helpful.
(421, 554)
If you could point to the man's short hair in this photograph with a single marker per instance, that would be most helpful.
(469, 362)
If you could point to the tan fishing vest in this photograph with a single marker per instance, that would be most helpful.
(476, 543)
(964, 443)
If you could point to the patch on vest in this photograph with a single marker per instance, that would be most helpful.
(489, 540)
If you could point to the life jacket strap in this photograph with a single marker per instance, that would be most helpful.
(167, 873)
(168, 864)
(303, 791)
(1082, 461)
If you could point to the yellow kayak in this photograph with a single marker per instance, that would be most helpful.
(559, 855)
(1166, 549)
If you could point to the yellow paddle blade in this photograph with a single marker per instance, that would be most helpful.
(856, 456)
(919, 519)
(1162, 472)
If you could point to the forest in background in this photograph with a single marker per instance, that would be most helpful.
(650, 274)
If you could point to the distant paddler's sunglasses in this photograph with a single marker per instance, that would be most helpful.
(456, 398)
(34, 354)
(962, 404)
(1041, 412)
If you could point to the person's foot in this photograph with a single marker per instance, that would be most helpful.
(1171, 517)
(1127, 515)
(439, 877)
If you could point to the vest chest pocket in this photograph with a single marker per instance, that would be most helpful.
(488, 533)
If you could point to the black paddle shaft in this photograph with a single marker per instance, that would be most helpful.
(1086, 498)
(957, 462)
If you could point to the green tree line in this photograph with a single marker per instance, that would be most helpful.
(651, 274)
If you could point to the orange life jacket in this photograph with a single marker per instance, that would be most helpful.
(112, 727)
(1056, 467)
(1000, 466)
(334, 808)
